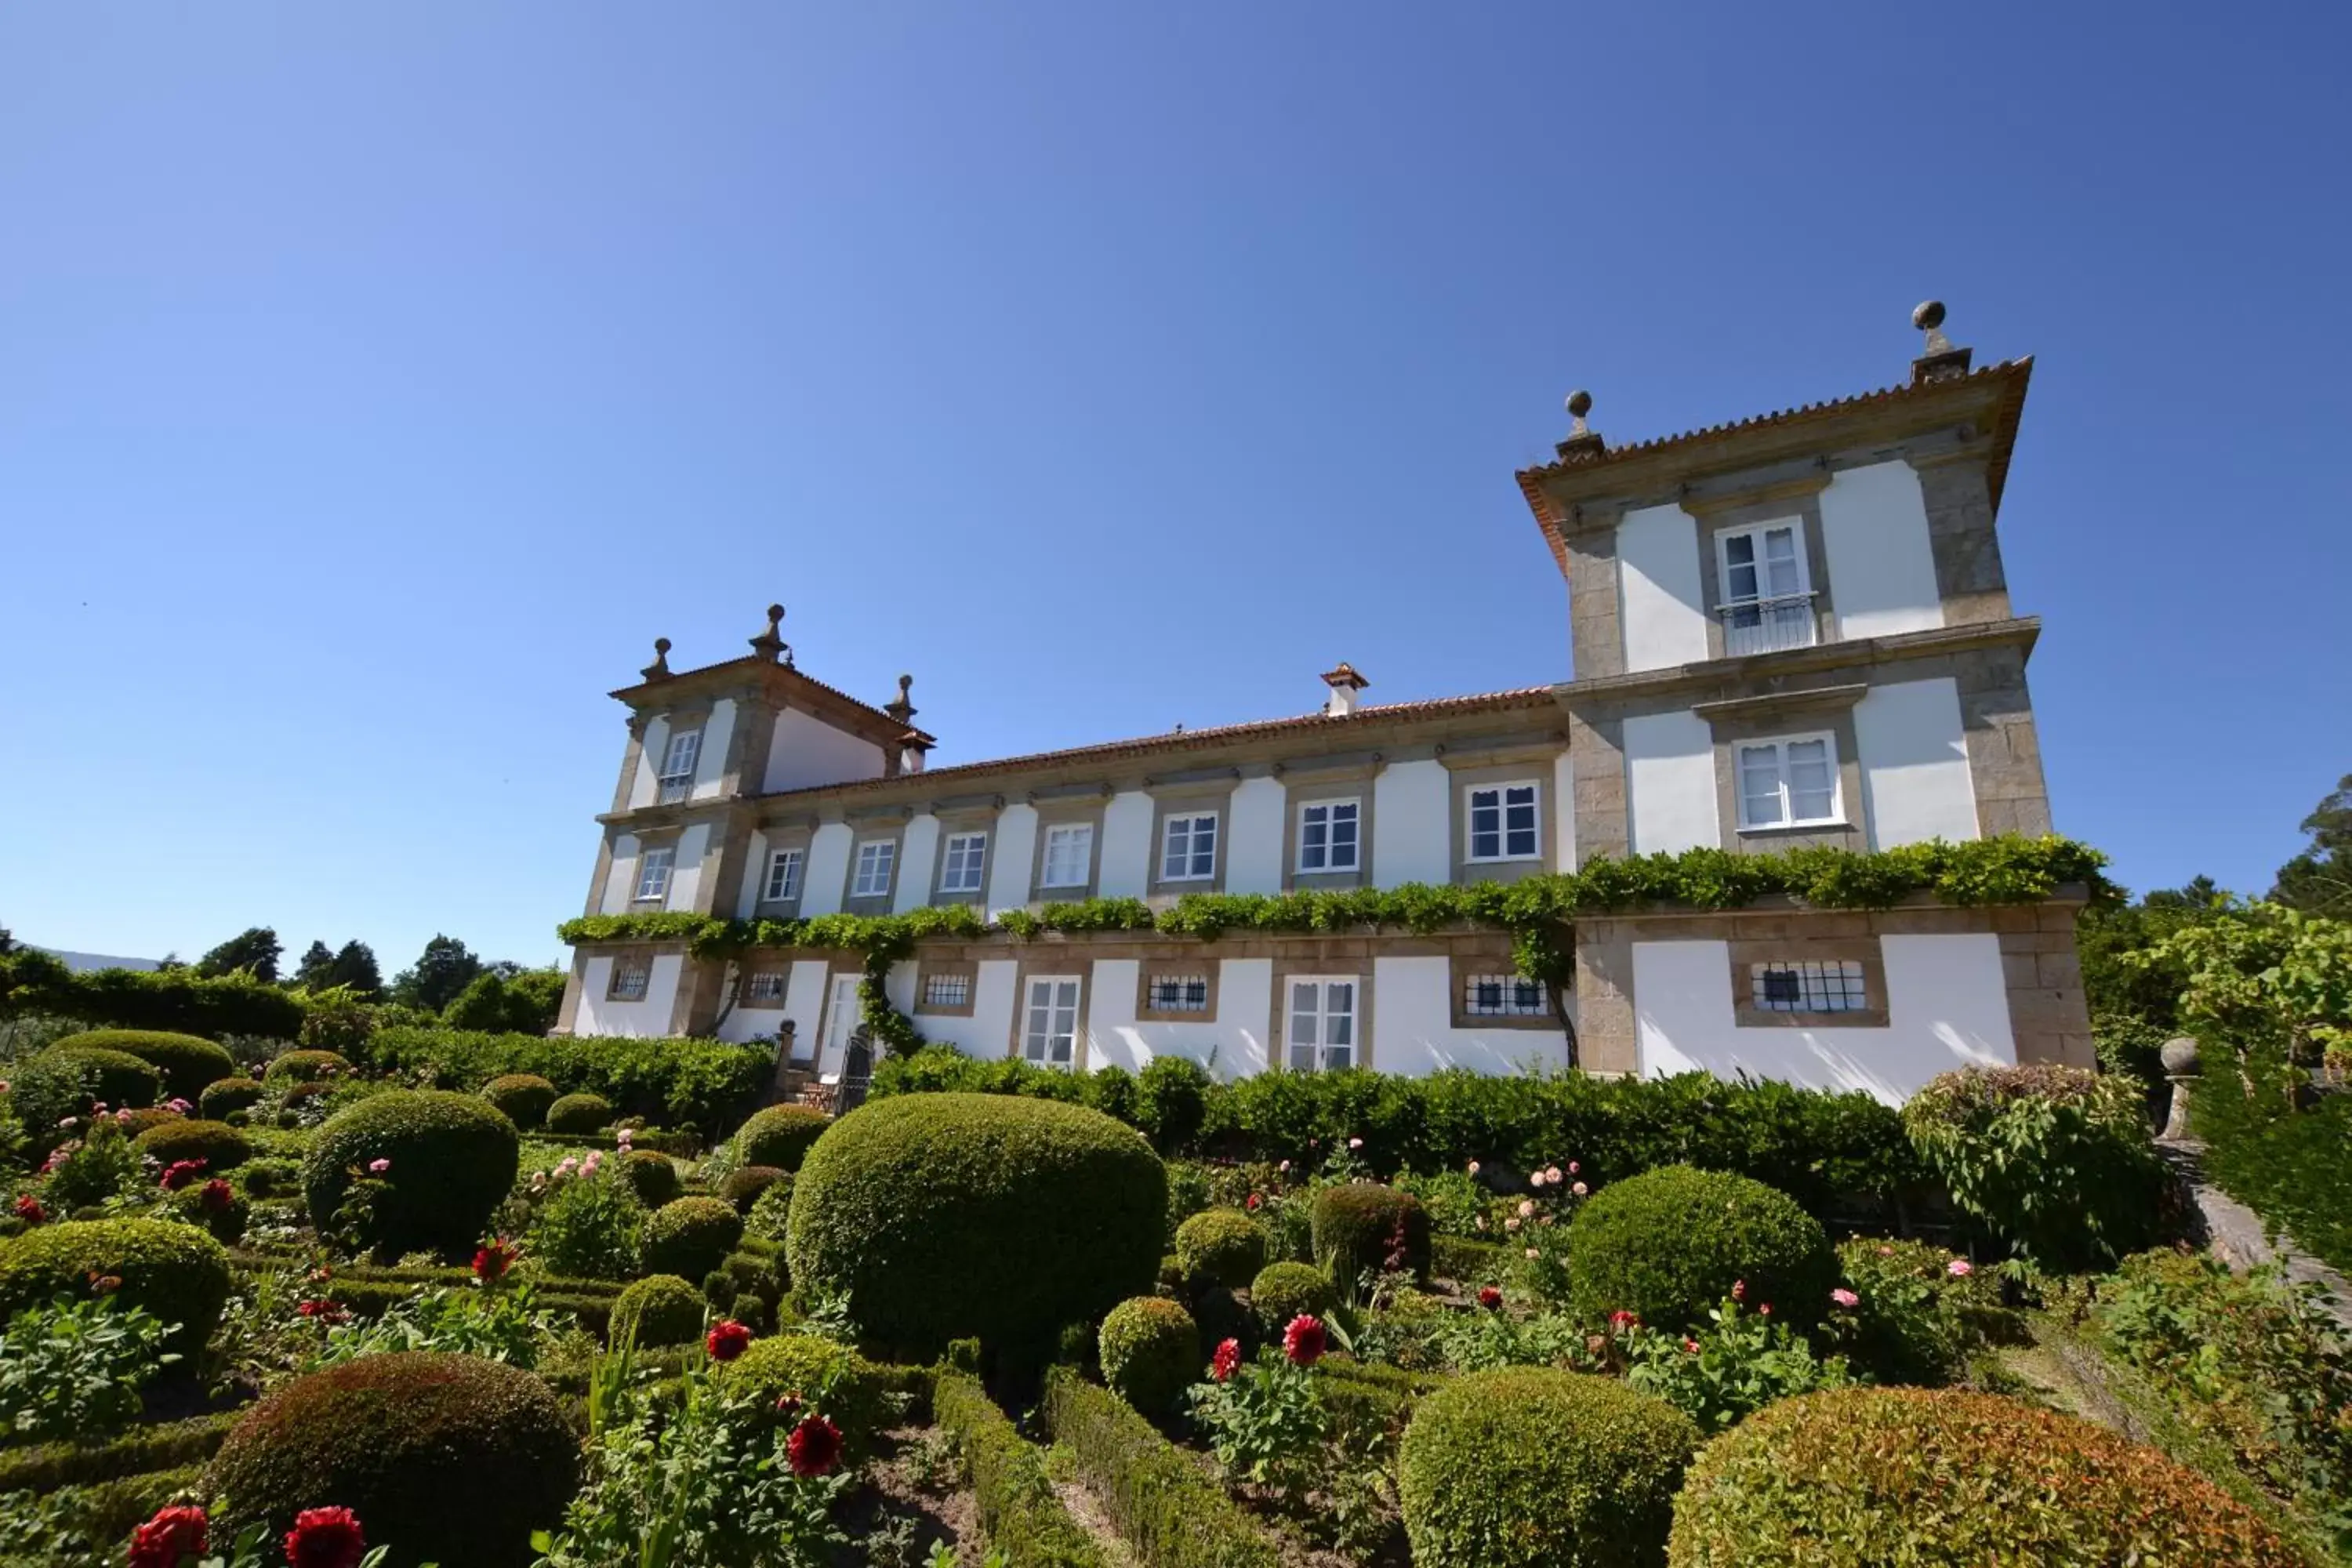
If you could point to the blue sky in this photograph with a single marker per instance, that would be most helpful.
(377, 380)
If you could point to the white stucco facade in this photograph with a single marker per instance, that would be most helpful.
(1670, 795)
(1413, 824)
(648, 1016)
(804, 750)
(1882, 564)
(1915, 763)
(1126, 869)
(1663, 609)
(1253, 852)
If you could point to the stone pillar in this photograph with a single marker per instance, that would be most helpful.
(2182, 1070)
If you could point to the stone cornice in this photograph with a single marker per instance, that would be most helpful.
(1763, 670)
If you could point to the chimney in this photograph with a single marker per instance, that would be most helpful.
(1940, 360)
(1344, 683)
(912, 747)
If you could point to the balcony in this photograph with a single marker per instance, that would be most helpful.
(1767, 625)
(675, 787)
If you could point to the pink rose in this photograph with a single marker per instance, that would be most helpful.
(1355, 1143)
(1532, 1253)
(1474, 1164)
(1845, 1298)
(1578, 1189)
(1959, 1269)
(1526, 1208)
(378, 1167)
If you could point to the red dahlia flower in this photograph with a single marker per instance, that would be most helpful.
(324, 1310)
(1304, 1341)
(788, 1405)
(1620, 1319)
(325, 1538)
(29, 1210)
(726, 1339)
(1490, 1297)
(174, 1533)
(493, 1258)
(179, 1172)
(217, 1196)
(1226, 1362)
(815, 1447)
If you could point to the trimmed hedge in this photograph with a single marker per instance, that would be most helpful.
(304, 1066)
(1163, 1505)
(1669, 1244)
(123, 1080)
(799, 1363)
(220, 1146)
(663, 1310)
(1355, 1228)
(453, 1158)
(708, 1082)
(453, 1459)
(227, 1096)
(1151, 1352)
(579, 1114)
(1221, 1247)
(178, 1000)
(177, 1272)
(690, 1237)
(1020, 1513)
(743, 1185)
(1283, 1291)
(187, 1062)
(782, 1136)
(1527, 1466)
(1868, 1476)
(1468, 1261)
(134, 1123)
(45, 1467)
(525, 1097)
(949, 1216)
(652, 1175)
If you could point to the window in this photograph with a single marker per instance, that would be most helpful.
(783, 876)
(652, 873)
(1189, 851)
(959, 867)
(1503, 823)
(1069, 854)
(1767, 601)
(1504, 996)
(677, 765)
(765, 989)
(1178, 994)
(1789, 783)
(872, 879)
(1050, 1032)
(1327, 836)
(1322, 1034)
(947, 989)
(630, 977)
(1834, 986)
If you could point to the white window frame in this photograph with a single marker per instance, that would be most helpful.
(871, 866)
(1354, 805)
(973, 849)
(1037, 1039)
(783, 883)
(642, 969)
(764, 987)
(1323, 1013)
(1503, 808)
(1795, 526)
(1081, 835)
(1187, 859)
(1778, 745)
(653, 869)
(678, 760)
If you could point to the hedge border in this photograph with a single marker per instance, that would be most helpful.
(1020, 1513)
(1169, 1514)
(166, 1446)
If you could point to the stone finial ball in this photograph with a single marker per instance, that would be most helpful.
(661, 645)
(1928, 315)
(1580, 402)
(775, 612)
(2179, 1056)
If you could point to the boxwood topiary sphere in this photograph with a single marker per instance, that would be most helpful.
(135, 1123)
(690, 1237)
(305, 1067)
(664, 1309)
(781, 1136)
(1867, 1476)
(227, 1096)
(744, 1184)
(579, 1114)
(175, 1271)
(948, 1216)
(450, 1459)
(1151, 1352)
(1527, 1466)
(1283, 1291)
(220, 1146)
(187, 1062)
(123, 1080)
(453, 1159)
(1669, 1244)
(1219, 1247)
(523, 1095)
(1357, 1226)
(651, 1176)
(799, 1363)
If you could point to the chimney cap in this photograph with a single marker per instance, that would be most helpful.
(1584, 443)
(1344, 676)
(1938, 360)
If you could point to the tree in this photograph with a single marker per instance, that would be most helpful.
(2319, 880)
(446, 967)
(254, 951)
(316, 971)
(524, 1004)
(29, 978)
(2271, 981)
(355, 967)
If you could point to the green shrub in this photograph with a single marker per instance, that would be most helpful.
(73, 1369)
(453, 1160)
(690, 1237)
(743, 1185)
(305, 1067)
(800, 1363)
(772, 1215)
(591, 1226)
(1671, 1242)
(123, 1081)
(177, 1272)
(186, 1062)
(1914, 1321)
(453, 1459)
(1169, 1510)
(1526, 1467)
(131, 1124)
(651, 1175)
(781, 1136)
(181, 1001)
(1020, 1513)
(525, 1097)
(1151, 1352)
(1871, 1475)
(226, 1097)
(1359, 1226)
(1172, 1102)
(160, 1445)
(662, 1309)
(220, 1146)
(2286, 1162)
(705, 1082)
(2058, 1162)
(579, 1114)
(1188, 1192)
(948, 1216)
(1219, 1247)
(269, 1178)
(1283, 1291)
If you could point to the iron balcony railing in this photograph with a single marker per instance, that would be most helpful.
(675, 787)
(1767, 625)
